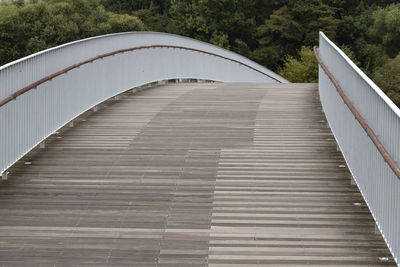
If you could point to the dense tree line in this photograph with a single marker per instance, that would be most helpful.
(278, 34)
(28, 28)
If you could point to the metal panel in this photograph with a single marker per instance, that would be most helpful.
(29, 118)
(377, 182)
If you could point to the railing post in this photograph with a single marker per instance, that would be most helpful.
(352, 181)
(42, 144)
(4, 175)
(377, 232)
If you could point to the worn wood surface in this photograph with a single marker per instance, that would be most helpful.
(190, 175)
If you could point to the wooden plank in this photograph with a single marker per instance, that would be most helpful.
(190, 174)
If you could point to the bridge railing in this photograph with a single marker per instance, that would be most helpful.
(366, 125)
(42, 92)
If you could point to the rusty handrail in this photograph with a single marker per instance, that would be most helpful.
(51, 76)
(386, 156)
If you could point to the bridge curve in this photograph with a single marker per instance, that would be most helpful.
(41, 93)
(74, 77)
(210, 174)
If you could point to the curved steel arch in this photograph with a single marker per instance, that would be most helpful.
(74, 77)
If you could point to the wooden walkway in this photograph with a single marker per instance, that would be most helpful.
(190, 175)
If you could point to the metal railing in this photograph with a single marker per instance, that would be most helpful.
(42, 92)
(366, 126)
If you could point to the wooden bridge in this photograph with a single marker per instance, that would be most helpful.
(190, 174)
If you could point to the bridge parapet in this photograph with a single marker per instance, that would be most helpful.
(27, 70)
(42, 92)
(366, 125)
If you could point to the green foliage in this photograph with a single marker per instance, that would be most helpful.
(386, 29)
(387, 78)
(220, 39)
(290, 27)
(347, 50)
(125, 6)
(274, 33)
(154, 18)
(228, 23)
(280, 35)
(303, 69)
(26, 29)
(314, 16)
(130, 6)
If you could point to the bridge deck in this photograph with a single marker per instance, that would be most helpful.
(190, 175)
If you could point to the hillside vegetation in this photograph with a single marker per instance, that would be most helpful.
(278, 34)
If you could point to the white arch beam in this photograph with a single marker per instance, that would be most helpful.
(42, 92)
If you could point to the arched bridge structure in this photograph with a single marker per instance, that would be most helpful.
(77, 76)
(150, 149)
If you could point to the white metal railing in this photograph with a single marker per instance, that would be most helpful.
(42, 92)
(366, 125)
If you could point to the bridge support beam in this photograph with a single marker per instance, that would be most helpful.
(4, 175)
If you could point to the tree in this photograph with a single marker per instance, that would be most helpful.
(278, 36)
(274, 33)
(386, 29)
(387, 78)
(125, 6)
(303, 69)
(153, 18)
(228, 23)
(291, 26)
(33, 27)
(8, 33)
(314, 16)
